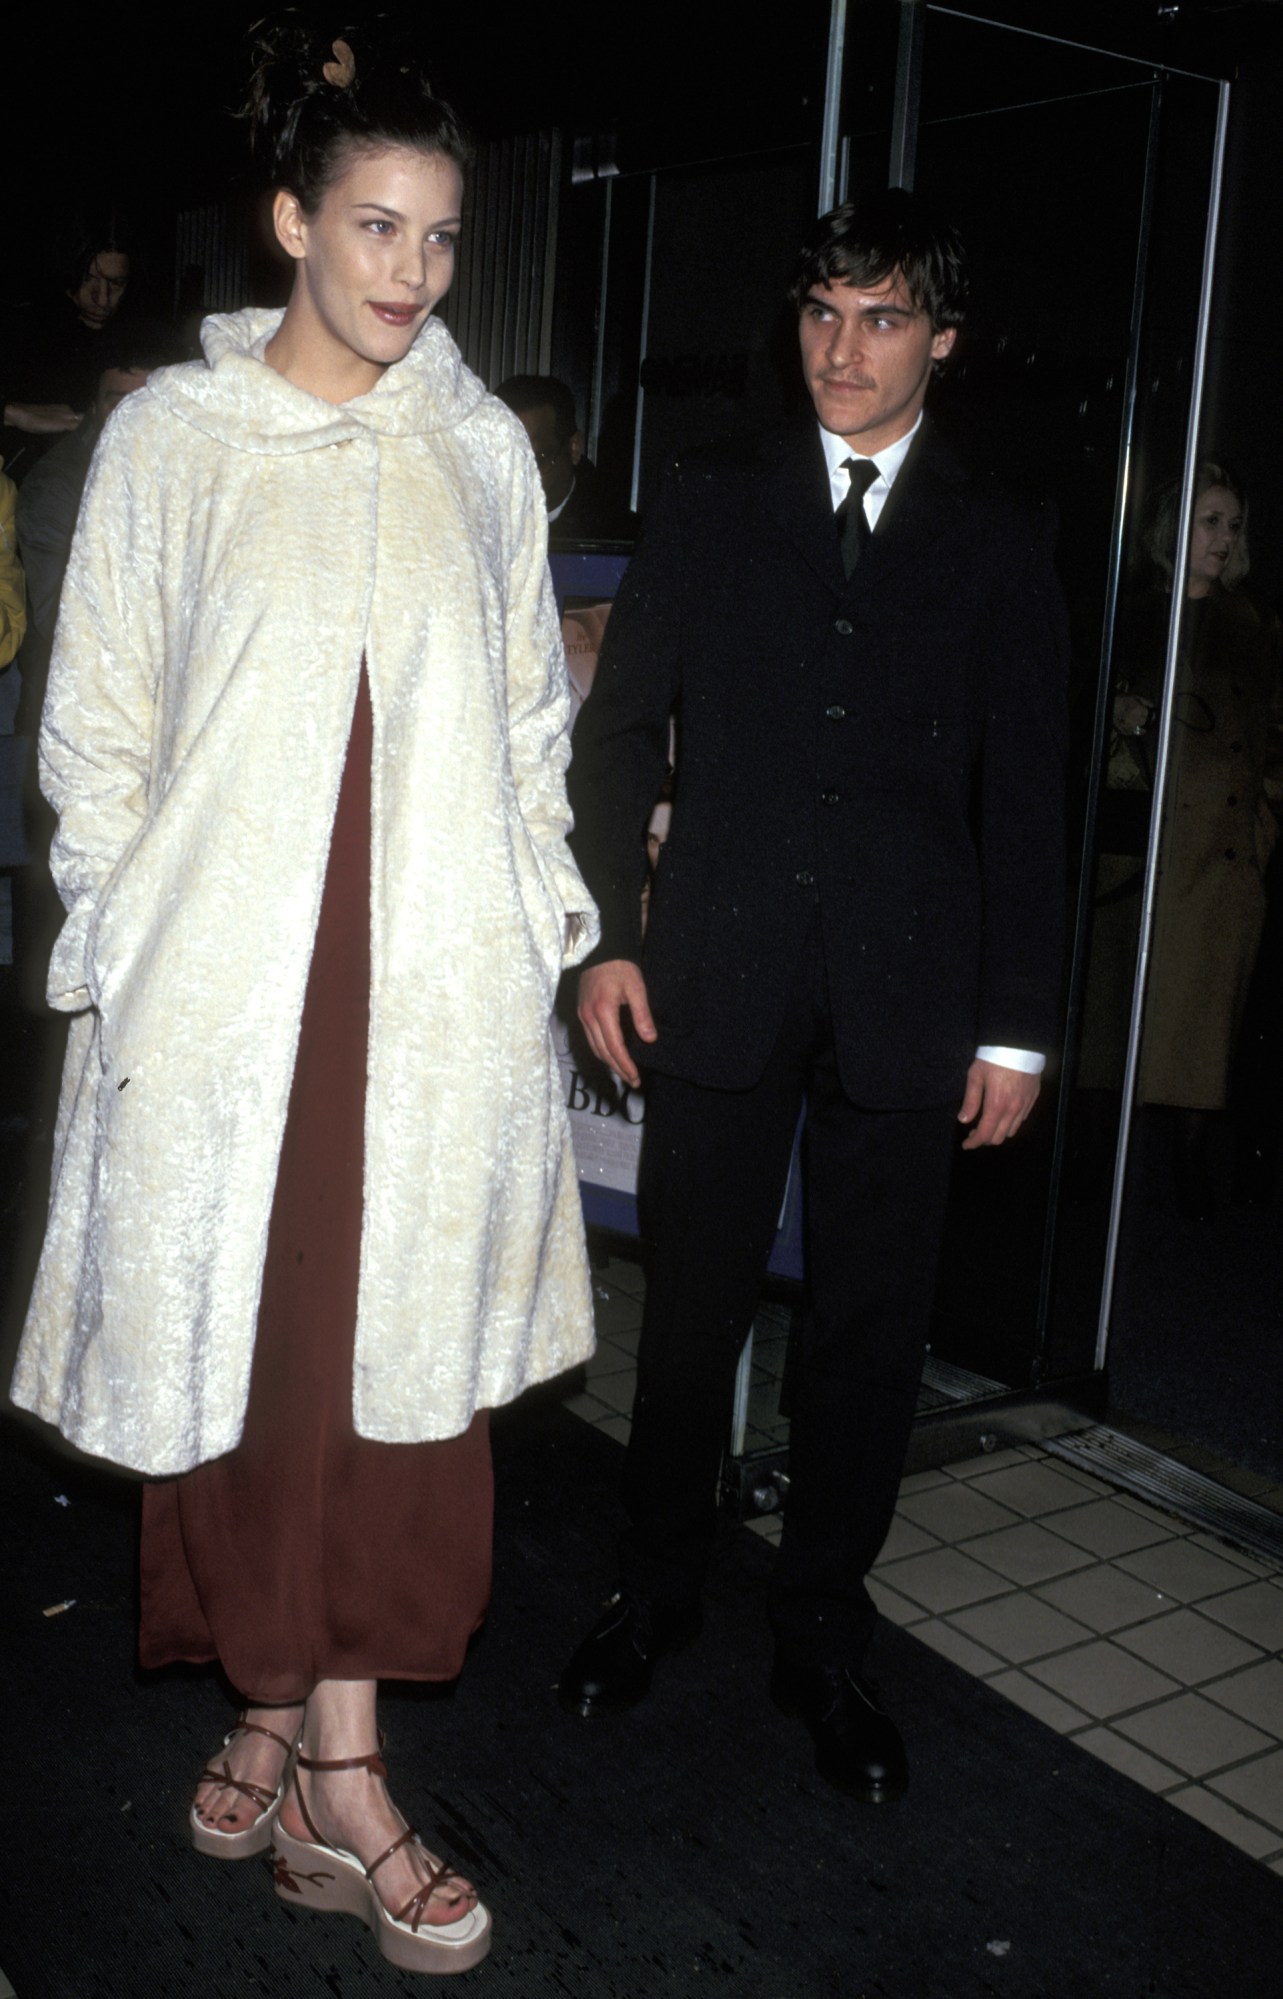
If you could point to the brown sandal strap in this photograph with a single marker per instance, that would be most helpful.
(373, 1763)
(257, 1794)
(244, 1727)
(403, 1840)
(417, 1906)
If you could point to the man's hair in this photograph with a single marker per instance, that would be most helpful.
(531, 392)
(867, 240)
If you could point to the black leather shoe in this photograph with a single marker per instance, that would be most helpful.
(612, 1669)
(857, 1747)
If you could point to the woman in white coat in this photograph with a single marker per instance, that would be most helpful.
(314, 1208)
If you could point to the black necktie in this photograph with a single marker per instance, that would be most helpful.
(852, 522)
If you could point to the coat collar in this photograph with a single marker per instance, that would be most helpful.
(233, 396)
(923, 504)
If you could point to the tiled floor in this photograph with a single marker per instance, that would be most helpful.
(1149, 1644)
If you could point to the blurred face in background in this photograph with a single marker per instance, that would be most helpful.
(100, 291)
(555, 455)
(1218, 523)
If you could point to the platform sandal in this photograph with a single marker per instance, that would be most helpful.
(318, 1875)
(251, 1839)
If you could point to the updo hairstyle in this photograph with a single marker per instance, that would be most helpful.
(316, 95)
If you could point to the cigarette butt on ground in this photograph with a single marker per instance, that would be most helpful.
(56, 1609)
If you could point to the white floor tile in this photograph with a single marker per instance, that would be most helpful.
(1102, 1679)
(955, 1512)
(904, 1539)
(1257, 1787)
(1131, 1761)
(1026, 1554)
(1032, 1489)
(989, 1461)
(1183, 1569)
(952, 1644)
(1255, 1695)
(1108, 1527)
(1105, 1598)
(1189, 1647)
(1039, 1701)
(1255, 1612)
(1020, 1627)
(1193, 1734)
(942, 1579)
(1220, 1817)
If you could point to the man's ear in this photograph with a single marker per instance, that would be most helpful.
(942, 345)
(290, 223)
(576, 447)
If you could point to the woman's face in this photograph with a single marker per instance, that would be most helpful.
(1218, 523)
(374, 259)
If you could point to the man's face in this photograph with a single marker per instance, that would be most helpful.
(102, 288)
(866, 354)
(114, 384)
(555, 455)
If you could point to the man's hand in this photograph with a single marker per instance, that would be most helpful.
(41, 419)
(996, 1103)
(604, 990)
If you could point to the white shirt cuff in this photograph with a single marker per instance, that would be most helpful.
(1014, 1058)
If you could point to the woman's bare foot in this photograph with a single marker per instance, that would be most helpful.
(351, 1809)
(252, 1759)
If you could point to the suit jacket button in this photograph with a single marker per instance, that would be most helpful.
(805, 878)
(1230, 855)
(844, 626)
(829, 798)
(836, 714)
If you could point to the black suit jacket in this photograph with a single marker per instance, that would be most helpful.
(887, 750)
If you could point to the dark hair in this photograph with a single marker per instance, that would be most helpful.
(865, 241)
(91, 234)
(532, 392)
(303, 122)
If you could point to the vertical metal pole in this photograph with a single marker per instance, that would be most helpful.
(599, 349)
(645, 333)
(1104, 694)
(1167, 709)
(829, 134)
(908, 94)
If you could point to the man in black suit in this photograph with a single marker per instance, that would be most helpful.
(859, 905)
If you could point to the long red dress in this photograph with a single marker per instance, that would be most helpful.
(308, 1552)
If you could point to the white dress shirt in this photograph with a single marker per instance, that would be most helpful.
(889, 461)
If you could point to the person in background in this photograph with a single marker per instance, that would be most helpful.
(1220, 809)
(306, 735)
(578, 509)
(51, 348)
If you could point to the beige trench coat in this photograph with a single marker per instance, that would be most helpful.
(242, 546)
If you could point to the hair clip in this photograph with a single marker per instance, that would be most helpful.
(343, 72)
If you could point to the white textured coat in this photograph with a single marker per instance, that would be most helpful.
(241, 546)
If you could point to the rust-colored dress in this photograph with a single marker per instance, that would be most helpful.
(308, 1552)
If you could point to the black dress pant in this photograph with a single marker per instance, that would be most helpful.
(713, 1172)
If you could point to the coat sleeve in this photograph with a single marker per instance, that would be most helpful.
(622, 736)
(1021, 819)
(96, 734)
(539, 710)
